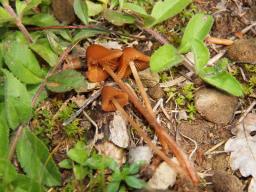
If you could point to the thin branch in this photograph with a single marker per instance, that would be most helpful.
(19, 24)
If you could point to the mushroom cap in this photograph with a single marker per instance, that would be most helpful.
(96, 56)
(141, 62)
(108, 93)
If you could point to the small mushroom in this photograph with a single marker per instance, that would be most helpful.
(97, 56)
(108, 94)
(130, 54)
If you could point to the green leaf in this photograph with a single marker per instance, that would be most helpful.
(165, 57)
(4, 134)
(4, 16)
(113, 186)
(118, 18)
(32, 4)
(7, 171)
(86, 33)
(94, 8)
(32, 89)
(17, 102)
(81, 10)
(26, 184)
(43, 48)
(22, 62)
(197, 28)
(55, 43)
(20, 7)
(163, 10)
(201, 55)
(134, 168)
(78, 153)
(135, 8)
(66, 164)
(40, 19)
(36, 161)
(65, 81)
(134, 182)
(80, 172)
(1, 56)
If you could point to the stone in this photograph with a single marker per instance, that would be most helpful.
(156, 92)
(63, 10)
(215, 106)
(243, 51)
(148, 78)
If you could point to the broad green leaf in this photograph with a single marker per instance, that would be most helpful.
(201, 55)
(66, 164)
(81, 10)
(113, 186)
(32, 89)
(1, 91)
(134, 168)
(26, 184)
(163, 10)
(94, 8)
(135, 8)
(32, 4)
(118, 18)
(4, 133)
(20, 7)
(4, 16)
(43, 48)
(80, 172)
(78, 153)
(86, 33)
(22, 62)
(134, 182)
(17, 102)
(65, 81)
(225, 82)
(1, 56)
(197, 28)
(164, 58)
(121, 3)
(55, 43)
(40, 19)
(7, 172)
(36, 161)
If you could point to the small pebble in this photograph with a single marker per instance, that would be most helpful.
(156, 92)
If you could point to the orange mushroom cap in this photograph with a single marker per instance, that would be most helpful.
(96, 56)
(108, 93)
(141, 62)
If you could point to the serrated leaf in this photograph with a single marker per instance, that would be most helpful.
(43, 48)
(55, 43)
(36, 161)
(4, 16)
(4, 134)
(66, 81)
(22, 62)
(17, 102)
(134, 182)
(7, 171)
(163, 10)
(81, 10)
(118, 18)
(86, 33)
(201, 55)
(94, 8)
(197, 28)
(66, 164)
(26, 184)
(165, 57)
(40, 19)
(78, 153)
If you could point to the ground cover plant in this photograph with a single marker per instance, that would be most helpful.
(58, 57)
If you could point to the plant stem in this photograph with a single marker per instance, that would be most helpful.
(162, 134)
(143, 134)
(19, 24)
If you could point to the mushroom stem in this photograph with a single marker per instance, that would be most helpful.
(141, 88)
(143, 134)
(163, 136)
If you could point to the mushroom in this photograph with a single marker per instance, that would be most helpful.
(131, 54)
(98, 55)
(108, 94)
(114, 99)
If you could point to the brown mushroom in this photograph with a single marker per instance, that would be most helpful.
(108, 94)
(130, 54)
(97, 56)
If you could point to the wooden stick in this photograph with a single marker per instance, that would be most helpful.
(218, 41)
(143, 134)
(162, 134)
